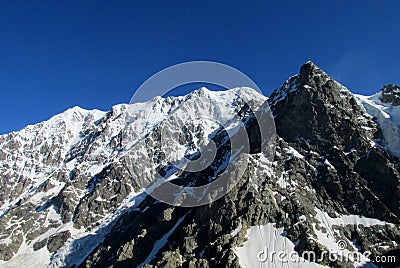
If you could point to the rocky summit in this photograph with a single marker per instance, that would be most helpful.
(74, 189)
(391, 94)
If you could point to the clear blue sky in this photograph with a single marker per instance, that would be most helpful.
(57, 54)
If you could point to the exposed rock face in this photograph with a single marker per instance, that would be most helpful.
(315, 113)
(391, 94)
(54, 242)
(330, 171)
(314, 107)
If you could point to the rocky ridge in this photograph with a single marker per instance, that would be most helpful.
(391, 94)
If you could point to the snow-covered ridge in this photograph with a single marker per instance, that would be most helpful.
(388, 117)
(37, 150)
(43, 161)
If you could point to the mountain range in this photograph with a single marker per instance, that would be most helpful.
(75, 188)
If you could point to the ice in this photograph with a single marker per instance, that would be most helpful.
(267, 239)
(347, 219)
(388, 117)
(293, 153)
(326, 162)
(94, 169)
(27, 257)
(237, 230)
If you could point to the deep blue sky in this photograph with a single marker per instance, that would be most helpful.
(54, 54)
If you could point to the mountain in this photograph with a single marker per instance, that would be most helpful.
(82, 189)
(385, 107)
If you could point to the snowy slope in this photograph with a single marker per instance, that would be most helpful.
(267, 246)
(388, 116)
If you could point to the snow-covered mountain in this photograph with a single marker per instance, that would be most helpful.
(385, 106)
(73, 192)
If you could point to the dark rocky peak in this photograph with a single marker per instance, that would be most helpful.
(311, 79)
(391, 94)
(312, 106)
(312, 74)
